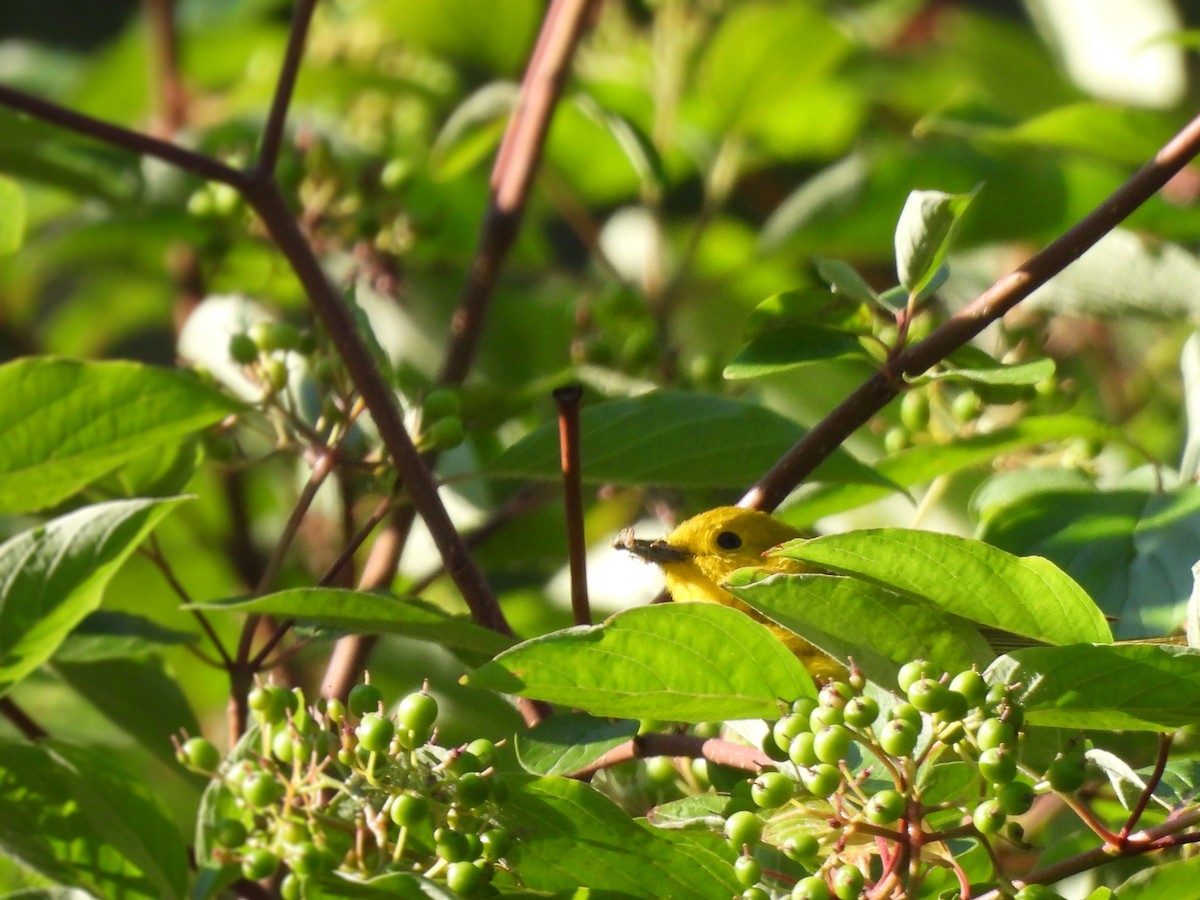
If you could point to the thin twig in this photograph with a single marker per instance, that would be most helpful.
(323, 465)
(725, 753)
(24, 724)
(272, 137)
(512, 177)
(170, 96)
(155, 555)
(878, 390)
(378, 515)
(1160, 765)
(568, 398)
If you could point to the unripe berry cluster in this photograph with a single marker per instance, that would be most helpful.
(854, 766)
(337, 788)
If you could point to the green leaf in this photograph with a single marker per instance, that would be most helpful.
(785, 349)
(473, 129)
(673, 438)
(54, 575)
(693, 811)
(1137, 687)
(1175, 880)
(1131, 549)
(919, 465)
(566, 743)
(832, 193)
(106, 634)
(879, 628)
(1019, 374)
(809, 307)
(843, 278)
(364, 612)
(12, 216)
(638, 148)
(78, 819)
(924, 233)
(139, 696)
(572, 836)
(1027, 596)
(65, 424)
(683, 662)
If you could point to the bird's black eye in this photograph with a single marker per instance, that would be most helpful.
(728, 540)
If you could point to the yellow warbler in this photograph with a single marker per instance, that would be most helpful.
(702, 552)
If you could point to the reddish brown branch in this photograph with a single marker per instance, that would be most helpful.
(512, 176)
(725, 753)
(568, 399)
(272, 137)
(19, 718)
(877, 391)
(170, 96)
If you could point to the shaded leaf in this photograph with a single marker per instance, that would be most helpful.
(683, 662)
(572, 836)
(879, 628)
(1027, 596)
(843, 278)
(809, 307)
(1131, 549)
(1029, 373)
(673, 438)
(76, 818)
(364, 612)
(1175, 880)
(784, 349)
(12, 216)
(107, 634)
(566, 743)
(830, 194)
(54, 575)
(65, 424)
(1138, 687)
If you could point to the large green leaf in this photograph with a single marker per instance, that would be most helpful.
(1026, 596)
(1139, 687)
(363, 612)
(674, 438)
(565, 743)
(1132, 550)
(52, 576)
(879, 628)
(785, 349)
(64, 424)
(919, 465)
(79, 820)
(572, 836)
(1175, 880)
(684, 662)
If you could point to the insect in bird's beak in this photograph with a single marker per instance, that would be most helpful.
(656, 551)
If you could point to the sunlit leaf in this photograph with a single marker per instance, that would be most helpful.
(566, 743)
(924, 234)
(12, 216)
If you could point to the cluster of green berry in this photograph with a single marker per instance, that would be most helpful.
(857, 791)
(262, 347)
(349, 792)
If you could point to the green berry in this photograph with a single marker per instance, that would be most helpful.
(928, 695)
(908, 713)
(661, 769)
(847, 883)
(835, 694)
(755, 893)
(896, 439)
(282, 747)
(998, 765)
(495, 843)
(1037, 892)
(464, 878)
(971, 685)
(472, 790)
(885, 807)
(451, 845)
(439, 404)
(989, 817)
(1016, 797)
(822, 780)
(995, 733)
(242, 349)
(955, 708)
(201, 754)
(375, 733)
(409, 809)
(914, 410)
(861, 712)
(912, 672)
(364, 698)
(275, 371)
(966, 407)
(230, 833)
(747, 870)
(803, 750)
(743, 829)
(810, 888)
(898, 737)
(802, 847)
(786, 729)
(1066, 773)
(261, 790)
(804, 706)
(259, 864)
(291, 888)
(418, 712)
(832, 743)
(771, 789)
(308, 860)
(825, 715)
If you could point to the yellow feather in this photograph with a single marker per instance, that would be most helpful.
(701, 553)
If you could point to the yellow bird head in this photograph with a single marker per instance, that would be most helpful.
(701, 553)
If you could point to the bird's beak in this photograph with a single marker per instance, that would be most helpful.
(657, 551)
